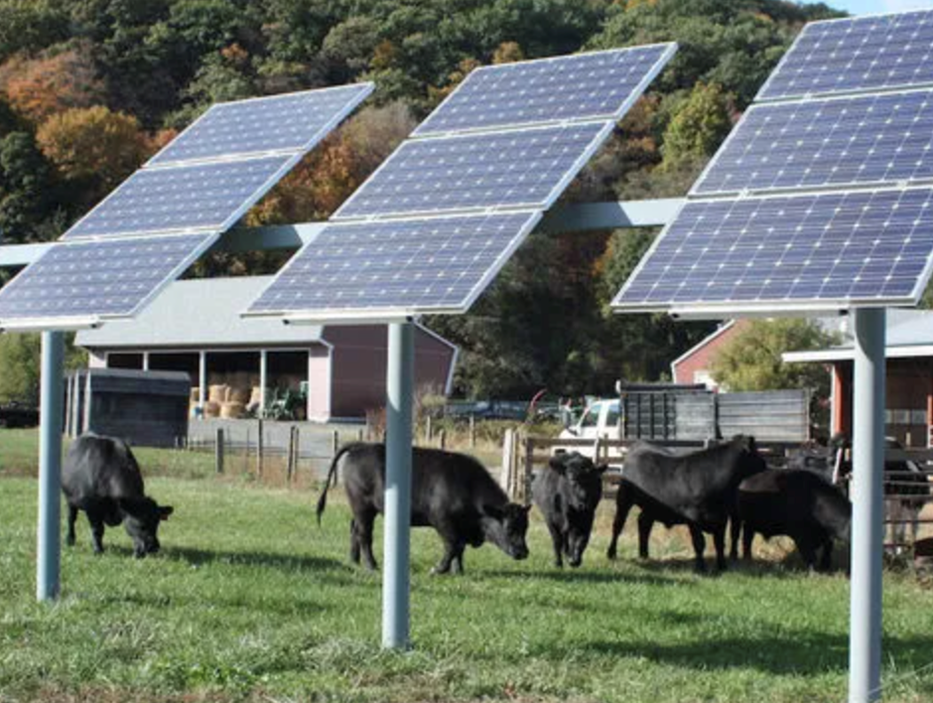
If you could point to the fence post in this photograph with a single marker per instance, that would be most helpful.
(290, 461)
(246, 453)
(526, 473)
(428, 430)
(259, 450)
(297, 452)
(505, 479)
(335, 443)
(219, 450)
(442, 439)
(472, 432)
(361, 438)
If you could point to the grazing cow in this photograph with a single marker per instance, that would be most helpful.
(797, 503)
(699, 487)
(567, 493)
(101, 477)
(453, 493)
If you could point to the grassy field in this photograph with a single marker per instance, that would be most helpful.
(250, 600)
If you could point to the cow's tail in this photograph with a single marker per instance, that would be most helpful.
(331, 479)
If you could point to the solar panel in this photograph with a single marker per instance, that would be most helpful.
(834, 249)
(209, 197)
(817, 143)
(525, 168)
(291, 122)
(859, 54)
(98, 278)
(595, 85)
(395, 268)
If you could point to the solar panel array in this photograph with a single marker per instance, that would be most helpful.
(428, 231)
(820, 203)
(170, 211)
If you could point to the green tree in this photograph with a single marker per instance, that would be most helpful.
(31, 25)
(19, 365)
(24, 187)
(699, 125)
(751, 361)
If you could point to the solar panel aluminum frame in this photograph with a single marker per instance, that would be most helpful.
(68, 323)
(554, 194)
(761, 99)
(368, 88)
(614, 116)
(375, 315)
(733, 134)
(770, 308)
(231, 220)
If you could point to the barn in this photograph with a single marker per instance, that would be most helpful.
(195, 326)
(908, 379)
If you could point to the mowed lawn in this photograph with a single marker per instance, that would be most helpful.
(250, 600)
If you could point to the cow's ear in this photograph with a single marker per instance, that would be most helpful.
(527, 508)
(557, 463)
(165, 511)
(602, 468)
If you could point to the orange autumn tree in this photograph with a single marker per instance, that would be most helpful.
(94, 146)
(41, 87)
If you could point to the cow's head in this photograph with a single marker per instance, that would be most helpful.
(584, 480)
(506, 527)
(751, 462)
(141, 518)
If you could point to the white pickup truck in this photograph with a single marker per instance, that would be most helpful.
(600, 420)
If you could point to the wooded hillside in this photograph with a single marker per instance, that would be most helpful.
(90, 88)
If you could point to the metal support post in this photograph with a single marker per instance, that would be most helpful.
(867, 507)
(48, 555)
(263, 381)
(202, 383)
(395, 578)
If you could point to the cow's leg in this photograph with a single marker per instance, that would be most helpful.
(97, 531)
(623, 505)
(72, 517)
(354, 543)
(364, 525)
(748, 536)
(557, 540)
(735, 530)
(699, 546)
(645, 523)
(807, 548)
(719, 540)
(826, 561)
(454, 545)
(456, 566)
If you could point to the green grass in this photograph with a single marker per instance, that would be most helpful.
(251, 601)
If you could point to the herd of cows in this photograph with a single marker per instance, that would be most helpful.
(706, 490)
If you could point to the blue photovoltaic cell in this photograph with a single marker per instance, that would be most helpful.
(863, 53)
(294, 122)
(412, 265)
(159, 200)
(871, 139)
(97, 278)
(838, 247)
(523, 168)
(600, 84)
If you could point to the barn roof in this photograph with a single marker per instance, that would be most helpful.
(201, 313)
(908, 333)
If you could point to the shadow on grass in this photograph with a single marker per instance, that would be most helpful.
(281, 562)
(786, 653)
(579, 576)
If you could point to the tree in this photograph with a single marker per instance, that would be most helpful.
(751, 361)
(699, 125)
(39, 88)
(19, 365)
(24, 187)
(31, 25)
(93, 146)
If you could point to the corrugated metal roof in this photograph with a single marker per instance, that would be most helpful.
(201, 313)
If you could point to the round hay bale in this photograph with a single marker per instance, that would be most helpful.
(195, 394)
(211, 409)
(217, 393)
(231, 410)
(255, 397)
(238, 394)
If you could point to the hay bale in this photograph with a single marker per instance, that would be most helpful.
(217, 393)
(230, 410)
(255, 397)
(211, 409)
(238, 394)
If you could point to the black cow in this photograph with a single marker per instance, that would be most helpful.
(651, 512)
(101, 477)
(567, 492)
(453, 493)
(699, 487)
(796, 503)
